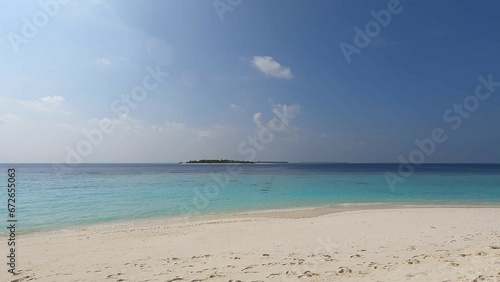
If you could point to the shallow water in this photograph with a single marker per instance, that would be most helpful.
(104, 193)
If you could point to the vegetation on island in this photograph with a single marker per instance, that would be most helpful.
(218, 162)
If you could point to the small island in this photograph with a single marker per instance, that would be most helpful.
(225, 161)
(218, 162)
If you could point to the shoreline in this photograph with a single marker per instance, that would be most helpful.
(286, 213)
(417, 243)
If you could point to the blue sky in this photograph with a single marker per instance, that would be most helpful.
(228, 65)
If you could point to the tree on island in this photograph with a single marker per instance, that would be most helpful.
(221, 161)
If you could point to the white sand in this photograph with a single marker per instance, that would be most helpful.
(416, 244)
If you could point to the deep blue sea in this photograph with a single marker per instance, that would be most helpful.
(106, 193)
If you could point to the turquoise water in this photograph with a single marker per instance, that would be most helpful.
(102, 193)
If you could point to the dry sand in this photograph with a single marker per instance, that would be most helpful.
(412, 244)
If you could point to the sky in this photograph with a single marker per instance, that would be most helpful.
(286, 80)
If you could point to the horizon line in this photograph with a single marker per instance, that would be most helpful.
(278, 162)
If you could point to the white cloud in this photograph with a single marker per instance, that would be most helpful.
(257, 119)
(104, 61)
(53, 100)
(236, 108)
(215, 132)
(284, 113)
(131, 140)
(7, 119)
(68, 127)
(9, 116)
(113, 62)
(206, 134)
(270, 67)
(176, 125)
(46, 105)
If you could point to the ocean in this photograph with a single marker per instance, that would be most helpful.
(91, 194)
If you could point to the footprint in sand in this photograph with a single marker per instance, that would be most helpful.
(308, 274)
(247, 269)
(412, 261)
(200, 271)
(175, 279)
(30, 278)
(479, 278)
(118, 274)
(344, 270)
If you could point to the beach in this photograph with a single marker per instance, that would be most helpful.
(231, 140)
(384, 244)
